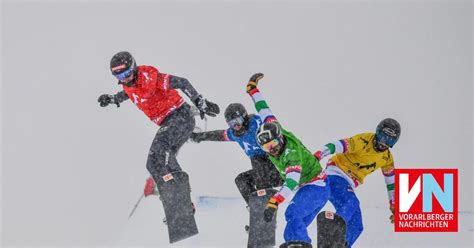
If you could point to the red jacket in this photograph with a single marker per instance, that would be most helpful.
(152, 94)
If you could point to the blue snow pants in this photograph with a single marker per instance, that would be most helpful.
(310, 199)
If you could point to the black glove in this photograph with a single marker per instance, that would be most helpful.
(106, 99)
(206, 107)
(270, 210)
(253, 81)
(392, 209)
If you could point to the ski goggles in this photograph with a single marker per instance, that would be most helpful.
(124, 75)
(272, 147)
(239, 121)
(385, 139)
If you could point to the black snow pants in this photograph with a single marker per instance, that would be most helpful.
(174, 131)
(262, 175)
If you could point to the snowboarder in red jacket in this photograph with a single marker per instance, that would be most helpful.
(156, 94)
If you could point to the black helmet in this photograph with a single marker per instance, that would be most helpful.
(236, 115)
(387, 132)
(122, 65)
(235, 110)
(270, 139)
(268, 132)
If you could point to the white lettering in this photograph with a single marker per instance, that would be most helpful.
(407, 196)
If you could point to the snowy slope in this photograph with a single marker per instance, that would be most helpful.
(221, 223)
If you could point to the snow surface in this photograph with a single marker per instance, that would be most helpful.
(221, 222)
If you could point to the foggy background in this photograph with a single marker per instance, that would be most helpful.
(71, 170)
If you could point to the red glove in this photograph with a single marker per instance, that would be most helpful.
(149, 187)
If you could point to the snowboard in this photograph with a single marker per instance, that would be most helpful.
(331, 230)
(261, 233)
(175, 194)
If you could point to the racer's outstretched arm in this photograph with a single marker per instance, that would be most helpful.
(340, 146)
(184, 85)
(347, 145)
(261, 105)
(216, 135)
(205, 106)
(116, 99)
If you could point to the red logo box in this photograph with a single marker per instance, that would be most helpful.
(426, 200)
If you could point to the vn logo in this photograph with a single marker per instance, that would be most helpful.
(426, 200)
